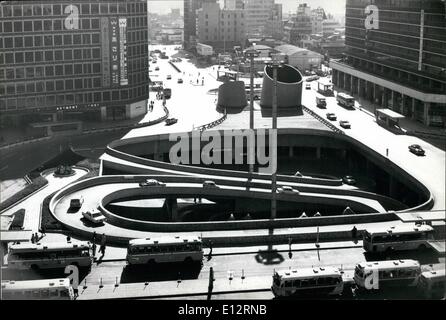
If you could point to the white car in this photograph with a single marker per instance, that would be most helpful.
(94, 216)
(151, 183)
(287, 190)
(209, 184)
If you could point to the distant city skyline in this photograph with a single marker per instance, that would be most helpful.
(332, 6)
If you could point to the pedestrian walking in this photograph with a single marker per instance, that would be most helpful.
(102, 248)
(94, 249)
(93, 239)
(68, 238)
(33, 238)
(210, 247)
(354, 233)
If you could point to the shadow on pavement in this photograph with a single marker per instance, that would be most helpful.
(289, 112)
(160, 272)
(269, 257)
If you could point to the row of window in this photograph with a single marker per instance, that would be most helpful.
(8, 58)
(313, 282)
(62, 84)
(28, 10)
(48, 100)
(68, 40)
(59, 25)
(49, 40)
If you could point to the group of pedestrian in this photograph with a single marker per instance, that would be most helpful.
(102, 244)
(159, 95)
(151, 104)
(36, 238)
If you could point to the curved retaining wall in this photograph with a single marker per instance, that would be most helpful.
(289, 87)
(203, 226)
(379, 160)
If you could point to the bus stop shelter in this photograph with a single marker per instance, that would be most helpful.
(388, 117)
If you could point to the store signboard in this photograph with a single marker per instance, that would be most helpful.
(114, 51)
(105, 52)
(123, 51)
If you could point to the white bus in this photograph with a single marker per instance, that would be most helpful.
(49, 255)
(166, 249)
(390, 273)
(432, 284)
(308, 281)
(345, 100)
(400, 237)
(48, 289)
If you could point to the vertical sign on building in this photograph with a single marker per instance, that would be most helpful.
(105, 43)
(123, 50)
(114, 51)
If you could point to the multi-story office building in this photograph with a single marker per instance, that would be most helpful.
(398, 59)
(257, 12)
(329, 27)
(190, 21)
(63, 60)
(233, 4)
(298, 28)
(274, 26)
(220, 28)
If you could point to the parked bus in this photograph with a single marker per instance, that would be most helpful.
(390, 273)
(166, 249)
(402, 237)
(345, 100)
(49, 255)
(431, 284)
(308, 281)
(48, 289)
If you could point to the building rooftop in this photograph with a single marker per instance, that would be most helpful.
(289, 49)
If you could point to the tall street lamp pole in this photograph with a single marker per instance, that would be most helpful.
(276, 63)
(251, 54)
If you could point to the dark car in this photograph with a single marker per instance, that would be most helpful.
(349, 180)
(331, 116)
(417, 149)
(345, 124)
(157, 68)
(180, 80)
(171, 121)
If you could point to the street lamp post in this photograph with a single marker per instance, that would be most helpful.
(251, 54)
(276, 63)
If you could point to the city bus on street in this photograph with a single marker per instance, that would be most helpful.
(397, 238)
(165, 249)
(307, 281)
(345, 100)
(49, 255)
(48, 289)
(431, 284)
(376, 275)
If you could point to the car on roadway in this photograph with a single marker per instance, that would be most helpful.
(76, 203)
(417, 149)
(171, 121)
(298, 174)
(94, 216)
(151, 183)
(287, 190)
(169, 77)
(154, 61)
(307, 86)
(210, 184)
(349, 180)
(345, 124)
(157, 68)
(180, 80)
(331, 116)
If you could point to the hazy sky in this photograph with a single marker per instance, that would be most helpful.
(332, 6)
